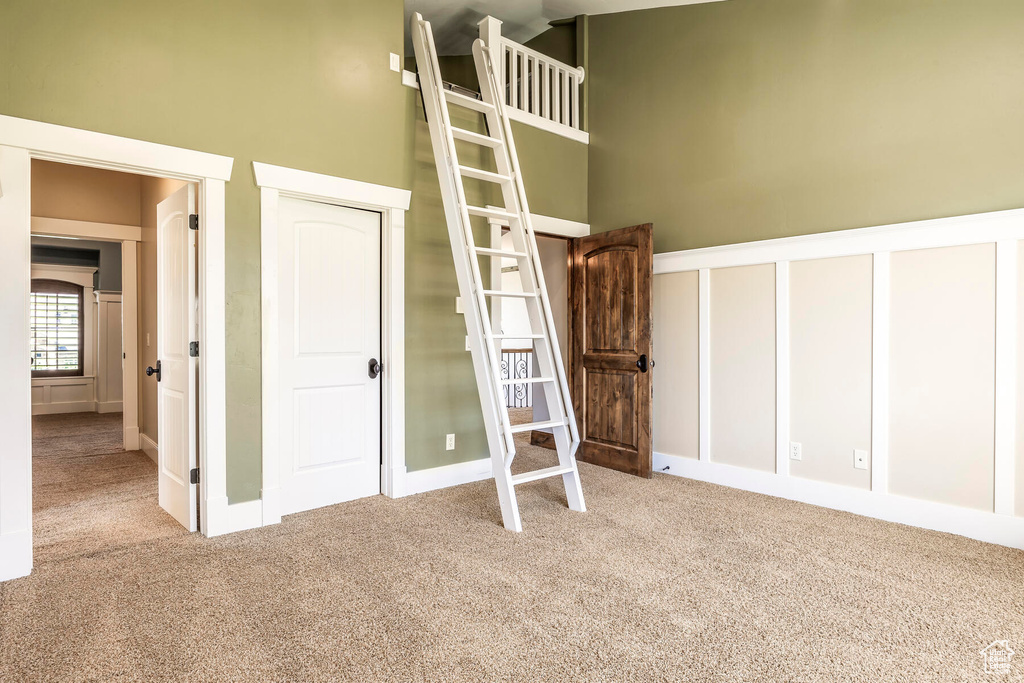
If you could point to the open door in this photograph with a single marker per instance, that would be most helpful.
(610, 327)
(175, 370)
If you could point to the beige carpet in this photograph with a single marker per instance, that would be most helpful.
(663, 579)
(88, 494)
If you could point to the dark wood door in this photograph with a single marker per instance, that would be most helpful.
(610, 325)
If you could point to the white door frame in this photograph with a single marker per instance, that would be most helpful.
(22, 140)
(128, 236)
(392, 203)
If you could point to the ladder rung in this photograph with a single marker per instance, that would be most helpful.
(514, 295)
(481, 174)
(527, 380)
(475, 138)
(485, 251)
(468, 102)
(510, 335)
(540, 474)
(530, 426)
(490, 213)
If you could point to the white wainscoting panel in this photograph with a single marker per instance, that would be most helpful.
(945, 333)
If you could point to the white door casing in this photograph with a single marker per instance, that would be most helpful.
(176, 296)
(330, 329)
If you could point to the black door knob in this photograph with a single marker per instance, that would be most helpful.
(642, 363)
(373, 368)
(150, 371)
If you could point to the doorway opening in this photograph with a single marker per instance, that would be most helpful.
(517, 357)
(113, 282)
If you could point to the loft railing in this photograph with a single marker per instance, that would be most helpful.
(538, 90)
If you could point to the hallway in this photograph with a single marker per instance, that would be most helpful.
(88, 494)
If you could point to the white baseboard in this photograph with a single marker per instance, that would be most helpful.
(149, 447)
(422, 481)
(15, 554)
(110, 406)
(61, 408)
(223, 518)
(977, 524)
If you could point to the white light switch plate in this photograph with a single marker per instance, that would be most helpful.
(458, 304)
(860, 459)
(396, 62)
(467, 342)
(796, 451)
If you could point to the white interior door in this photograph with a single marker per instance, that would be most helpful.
(176, 295)
(329, 280)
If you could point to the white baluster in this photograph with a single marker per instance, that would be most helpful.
(574, 92)
(556, 106)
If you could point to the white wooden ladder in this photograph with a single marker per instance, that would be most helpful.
(484, 344)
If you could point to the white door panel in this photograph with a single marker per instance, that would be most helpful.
(329, 280)
(176, 295)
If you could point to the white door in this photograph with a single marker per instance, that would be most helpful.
(176, 295)
(329, 275)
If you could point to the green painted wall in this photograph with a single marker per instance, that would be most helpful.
(753, 119)
(304, 84)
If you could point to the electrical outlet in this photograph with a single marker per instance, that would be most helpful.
(796, 450)
(396, 62)
(860, 459)
(458, 304)
(467, 342)
(449, 442)
(147, 340)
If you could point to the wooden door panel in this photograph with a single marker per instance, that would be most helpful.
(610, 324)
(608, 291)
(611, 399)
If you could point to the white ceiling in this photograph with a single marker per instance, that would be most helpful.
(455, 21)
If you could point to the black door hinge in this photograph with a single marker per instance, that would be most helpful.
(193, 349)
(193, 221)
(193, 476)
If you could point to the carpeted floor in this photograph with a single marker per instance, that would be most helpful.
(663, 579)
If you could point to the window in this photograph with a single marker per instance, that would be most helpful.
(57, 329)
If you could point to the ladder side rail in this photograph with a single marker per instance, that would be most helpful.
(433, 97)
(468, 243)
(540, 320)
(485, 75)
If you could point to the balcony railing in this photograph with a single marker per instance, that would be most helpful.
(539, 91)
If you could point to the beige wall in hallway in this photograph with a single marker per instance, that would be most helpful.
(676, 381)
(84, 194)
(153, 191)
(743, 366)
(830, 367)
(554, 258)
(942, 375)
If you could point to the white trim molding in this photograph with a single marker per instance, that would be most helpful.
(106, 232)
(149, 447)
(981, 228)
(1002, 229)
(298, 184)
(547, 225)
(99, 150)
(435, 478)
(976, 524)
(22, 140)
(1006, 376)
(276, 182)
